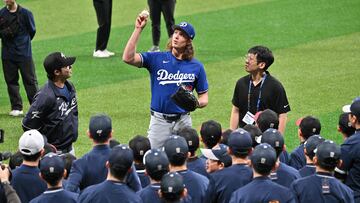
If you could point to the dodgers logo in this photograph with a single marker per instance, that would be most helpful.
(174, 78)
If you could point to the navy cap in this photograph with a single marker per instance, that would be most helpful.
(354, 108)
(311, 144)
(56, 61)
(328, 153)
(267, 119)
(218, 153)
(274, 138)
(345, 124)
(156, 160)
(240, 141)
(121, 157)
(176, 145)
(187, 28)
(309, 126)
(191, 137)
(140, 145)
(52, 163)
(100, 126)
(263, 157)
(172, 183)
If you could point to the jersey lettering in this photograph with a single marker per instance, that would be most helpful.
(169, 78)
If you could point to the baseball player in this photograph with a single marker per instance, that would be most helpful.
(283, 175)
(173, 188)
(322, 186)
(261, 188)
(344, 126)
(140, 145)
(114, 188)
(310, 146)
(156, 166)
(168, 70)
(217, 158)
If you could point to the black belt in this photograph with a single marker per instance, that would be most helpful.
(170, 117)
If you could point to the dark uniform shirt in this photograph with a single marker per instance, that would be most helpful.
(321, 187)
(273, 96)
(350, 155)
(27, 182)
(144, 179)
(307, 170)
(196, 184)
(90, 169)
(109, 192)
(284, 175)
(262, 189)
(58, 195)
(197, 165)
(224, 182)
(297, 157)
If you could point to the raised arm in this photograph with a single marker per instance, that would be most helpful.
(130, 56)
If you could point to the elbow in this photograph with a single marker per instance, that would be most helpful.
(126, 59)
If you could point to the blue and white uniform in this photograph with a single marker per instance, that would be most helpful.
(307, 170)
(166, 74)
(56, 195)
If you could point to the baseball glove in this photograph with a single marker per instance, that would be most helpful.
(185, 99)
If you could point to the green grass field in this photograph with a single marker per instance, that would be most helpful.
(315, 44)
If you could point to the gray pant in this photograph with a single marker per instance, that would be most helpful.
(160, 129)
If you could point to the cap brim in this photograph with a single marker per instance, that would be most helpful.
(177, 27)
(346, 108)
(298, 121)
(208, 154)
(70, 61)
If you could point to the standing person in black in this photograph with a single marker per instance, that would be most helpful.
(258, 91)
(103, 9)
(17, 29)
(167, 7)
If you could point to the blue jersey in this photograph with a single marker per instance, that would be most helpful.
(321, 187)
(297, 158)
(307, 170)
(284, 175)
(27, 182)
(262, 189)
(197, 165)
(284, 157)
(166, 73)
(109, 192)
(196, 185)
(144, 179)
(59, 195)
(224, 182)
(90, 169)
(350, 155)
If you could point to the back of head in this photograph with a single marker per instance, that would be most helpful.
(328, 155)
(309, 126)
(191, 138)
(274, 138)
(225, 136)
(210, 133)
(52, 168)
(100, 128)
(113, 142)
(311, 144)
(263, 54)
(353, 109)
(263, 159)
(267, 119)
(15, 160)
(140, 145)
(240, 143)
(172, 186)
(176, 150)
(345, 125)
(255, 133)
(31, 143)
(120, 161)
(156, 163)
(68, 159)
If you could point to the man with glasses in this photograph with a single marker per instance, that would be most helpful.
(54, 110)
(258, 91)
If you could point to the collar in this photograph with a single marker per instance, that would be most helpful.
(324, 174)
(192, 159)
(101, 147)
(56, 90)
(53, 190)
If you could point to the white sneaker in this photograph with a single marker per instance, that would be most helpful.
(100, 54)
(16, 113)
(109, 52)
(154, 49)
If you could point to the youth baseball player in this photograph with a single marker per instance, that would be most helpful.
(168, 70)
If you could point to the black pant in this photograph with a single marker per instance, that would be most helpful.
(11, 74)
(167, 7)
(103, 10)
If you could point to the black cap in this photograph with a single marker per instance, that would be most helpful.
(240, 141)
(274, 138)
(191, 137)
(267, 119)
(56, 61)
(328, 153)
(311, 144)
(263, 158)
(172, 183)
(121, 157)
(176, 145)
(353, 108)
(140, 145)
(100, 127)
(52, 163)
(345, 124)
(155, 161)
(309, 126)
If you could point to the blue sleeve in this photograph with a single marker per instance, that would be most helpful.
(30, 24)
(202, 83)
(75, 177)
(346, 156)
(146, 59)
(293, 191)
(133, 180)
(37, 112)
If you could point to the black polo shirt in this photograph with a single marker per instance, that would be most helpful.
(273, 96)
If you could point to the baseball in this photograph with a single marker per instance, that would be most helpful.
(144, 13)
